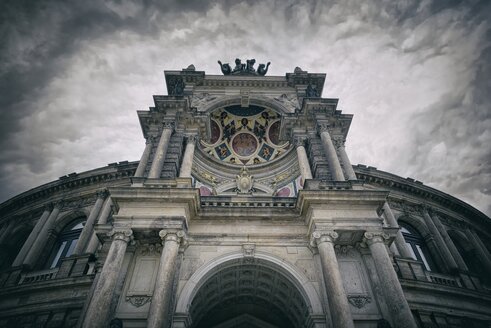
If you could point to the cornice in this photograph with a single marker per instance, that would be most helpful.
(417, 189)
(112, 172)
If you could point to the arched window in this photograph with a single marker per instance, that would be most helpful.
(417, 246)
(66, 242)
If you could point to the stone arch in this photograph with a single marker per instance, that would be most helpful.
(417, 223)
(66, 218)
(209, 269)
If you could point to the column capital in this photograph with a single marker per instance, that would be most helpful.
(191, 138)
(168, 125)
(102, 193)
(48, 207)
(58, 204)
(338, 141)
(375, 237)
(321, 236)
(178, 236)
(150, 139)
(323, 127)
(299, 141)
(124, 234)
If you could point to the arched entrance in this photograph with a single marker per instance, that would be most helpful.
(263, 291)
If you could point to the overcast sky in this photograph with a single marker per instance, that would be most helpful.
(415, 74)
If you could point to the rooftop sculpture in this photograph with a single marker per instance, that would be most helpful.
(244, 69)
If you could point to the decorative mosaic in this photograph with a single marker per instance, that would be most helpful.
(245, 135)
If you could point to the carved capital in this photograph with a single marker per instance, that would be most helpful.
(58, 204)
(124, 234)
(168, 125)
(150, 139)
(102, 193)
(175, 236)
(320, 236)
(322, 127)
(375, 237)
(338, 141)
(299, 141)
(191, 138)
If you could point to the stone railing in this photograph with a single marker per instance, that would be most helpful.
(415, 270)
(37, 276)
(254, 202)
(443, 279)
(71, 267)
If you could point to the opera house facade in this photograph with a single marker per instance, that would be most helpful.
(243, 211)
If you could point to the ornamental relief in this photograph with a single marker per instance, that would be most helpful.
(138, 301)
(359, 301)
(79, 203)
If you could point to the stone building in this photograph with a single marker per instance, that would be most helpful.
(244, 211)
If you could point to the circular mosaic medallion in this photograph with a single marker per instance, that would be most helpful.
(244, 144)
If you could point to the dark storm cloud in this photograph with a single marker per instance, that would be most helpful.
(73, 73)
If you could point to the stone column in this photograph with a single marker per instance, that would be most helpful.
(303, 160)
(399, 240)
(394, 296)
(162, 293)
(4, 234)
(159, 156)
(338, 301)
(84, 237)
(332, 157)
(98, 311)
(348, 168)
(187, 160)
(448, 259)
(451, 246)
(481, 249)
(32, 236)
(140, 170)
(38, 245)
(94, 241)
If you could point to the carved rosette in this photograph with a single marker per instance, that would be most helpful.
(359, 301)
(124, 234)
(375, 237)
(319, 237)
